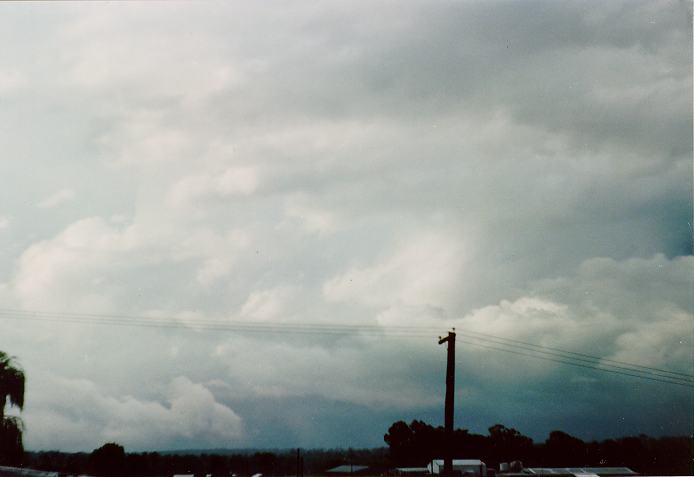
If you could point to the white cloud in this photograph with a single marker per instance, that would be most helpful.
(10, 81)
(56, 199)
(314, 218)
(82, 417)
(93, 265)
(424, 270)
(277, 304)
(63, 273)
(235, 181)
(637, 311)
(525, 318)
(661, 344)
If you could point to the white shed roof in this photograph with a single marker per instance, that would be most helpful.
(347, 469)
(460, 462)
(581, 471)
(23, 472)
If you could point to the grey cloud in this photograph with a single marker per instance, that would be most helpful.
(520, 164)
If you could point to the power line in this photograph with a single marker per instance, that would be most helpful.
(666, 381)
(582, 360)
(583, 355)
(332, 328)
(207, 325)
(589, 360)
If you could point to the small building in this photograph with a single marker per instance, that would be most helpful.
(464, 466)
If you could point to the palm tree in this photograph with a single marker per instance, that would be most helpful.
(11, 427)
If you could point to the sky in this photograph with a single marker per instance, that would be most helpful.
(519, 169)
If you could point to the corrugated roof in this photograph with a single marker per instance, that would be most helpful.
(610, 470)
(581, 471)
(347, 469)
(460, 462)
(22, 472)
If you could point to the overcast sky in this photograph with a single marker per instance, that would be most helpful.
(521, 169)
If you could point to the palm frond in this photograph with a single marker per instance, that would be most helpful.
(12, 381)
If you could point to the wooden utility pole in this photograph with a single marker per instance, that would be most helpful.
(299, 464)
(448, 410)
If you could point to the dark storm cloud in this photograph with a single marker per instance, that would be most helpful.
(598, 73)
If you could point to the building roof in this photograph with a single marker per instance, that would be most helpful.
(611, 470)
(460, 462)
(22, 472)
(581, 471)
(347, 469)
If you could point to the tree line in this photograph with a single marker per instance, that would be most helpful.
(409, 445)
(112, 460)
(417, 443)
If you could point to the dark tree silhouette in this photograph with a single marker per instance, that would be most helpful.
(418, 443)
(414, 444)
(507, 444)
(564, 449)
(108, 459)
(11, 427)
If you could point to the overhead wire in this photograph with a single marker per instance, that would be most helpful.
(607, 360)
(581, 358)
(508, 345)
(520, 353)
